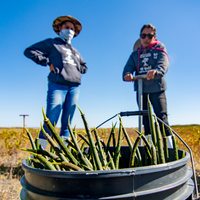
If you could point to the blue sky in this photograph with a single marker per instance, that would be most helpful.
(110, 29)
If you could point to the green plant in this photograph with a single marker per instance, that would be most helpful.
(93, 153)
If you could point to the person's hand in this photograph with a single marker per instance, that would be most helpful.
(150, 74)
(128, 77)
(52, 69)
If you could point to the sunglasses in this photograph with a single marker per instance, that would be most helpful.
(144, 35)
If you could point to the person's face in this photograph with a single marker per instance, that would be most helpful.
(67, 25)
(150, 37)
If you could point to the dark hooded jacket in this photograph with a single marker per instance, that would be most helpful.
(144, 59)
(66, 60)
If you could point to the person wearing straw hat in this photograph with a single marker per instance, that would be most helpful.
(150, 58)
(66, 68)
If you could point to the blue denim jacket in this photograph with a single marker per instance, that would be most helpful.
(66, 60)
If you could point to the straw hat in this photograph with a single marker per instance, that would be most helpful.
(137, 45)
(59, 20)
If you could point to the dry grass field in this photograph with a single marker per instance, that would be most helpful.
(12, 139)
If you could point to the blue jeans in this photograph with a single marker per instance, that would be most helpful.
(60, 98)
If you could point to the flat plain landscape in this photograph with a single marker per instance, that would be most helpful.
(13, 139)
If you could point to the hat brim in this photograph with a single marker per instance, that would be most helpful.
(59, 20)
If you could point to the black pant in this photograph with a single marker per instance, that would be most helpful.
(159, 104)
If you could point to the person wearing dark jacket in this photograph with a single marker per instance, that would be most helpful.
(150, 59)
(66, 69)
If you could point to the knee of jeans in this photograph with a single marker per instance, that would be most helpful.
(54, 104)
(74, 96)
(74, 100)
(53, 113)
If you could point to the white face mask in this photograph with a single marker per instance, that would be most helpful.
(67, 35)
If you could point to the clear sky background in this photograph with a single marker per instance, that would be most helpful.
(110, 29)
